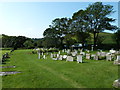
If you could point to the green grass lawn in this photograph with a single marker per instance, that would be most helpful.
(40, 73)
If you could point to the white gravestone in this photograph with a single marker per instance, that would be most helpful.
(69, 58)
(60, 58)
(51, 55)
(108, 57)
(103, 54)
(64, 56)
(73, 53)
(68, 51)
(87, 56)
(118, 58)
(38, 55)
(59, 52)
(44, 57)
(117, 61)
(42, 53)
(79, 58)
(82, 53)
(95, 57)
(58, 55)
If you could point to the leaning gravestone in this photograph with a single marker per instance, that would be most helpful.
(79, 58)
(117, 61)
(69, 58)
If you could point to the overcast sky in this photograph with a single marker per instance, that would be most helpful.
(30, 19)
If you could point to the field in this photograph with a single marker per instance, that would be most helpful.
(47, 73)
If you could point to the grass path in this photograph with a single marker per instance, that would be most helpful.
(39, 73)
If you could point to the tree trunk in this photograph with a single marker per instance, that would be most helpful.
(95, 39)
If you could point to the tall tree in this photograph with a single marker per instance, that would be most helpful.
(60, 27)
(98, 19)
(79, 26)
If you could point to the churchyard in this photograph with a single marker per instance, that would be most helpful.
(53, 68)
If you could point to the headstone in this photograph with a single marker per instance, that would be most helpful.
(38, 55)
(82, 53)
(51, 55)
(42, 53)
(68, 51)
(98, 53)
(54, 55)
(116, 83)
(87, 56)
(92, 48)
(44, 57)
(79, 58)
(117, 61)
(95, 57)
(73, 53)
(59, 52)
(64, 56)
(118, 57)
(108, 57)
(58, 55)
(103, 54)
(112, 51)
(61, 57)
(69, 58)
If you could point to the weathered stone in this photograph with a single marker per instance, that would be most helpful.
(69, 58)
(116, 83)
(79, 58)
(87, 56)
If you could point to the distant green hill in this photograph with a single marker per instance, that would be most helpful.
(108, 38)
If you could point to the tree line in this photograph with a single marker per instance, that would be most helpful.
(93, 20)
(84, 26)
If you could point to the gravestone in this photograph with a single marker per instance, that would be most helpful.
(64, 56)
(69, 58)
(82, 53)
(79, 58)
(73, 53)
(116, 83)
(117, 61)
(51, 55)
(98, 53)
(68, 51)
(61, 57)
(87, 56)
(59, 52)
(103, 54)
(95, 57)
(58, 55)
(108, 57)
(38, 55)
(42, 53)
(44, 57)
(112, 51)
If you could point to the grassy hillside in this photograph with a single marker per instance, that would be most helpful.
(108, 38)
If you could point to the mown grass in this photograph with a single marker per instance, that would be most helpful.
(40, 73)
